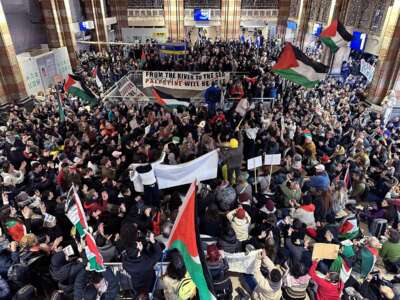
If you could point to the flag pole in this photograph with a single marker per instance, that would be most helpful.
(159, 275)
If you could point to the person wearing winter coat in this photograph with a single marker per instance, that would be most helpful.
(240, 222)
(64, 272)
(96, 285)
(233, 156)
(218, 268)
(330, 287)
(228, 241)
(11, 176)
(305, 213)
(295, 282)
(140, 264)
(268, 278)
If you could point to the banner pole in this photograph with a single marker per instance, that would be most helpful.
(255, 174)
(270, 177)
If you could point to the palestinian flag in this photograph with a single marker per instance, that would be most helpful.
(75, 86)
(369, 256)
(341, 266)
(295, 66)
(185, 238)
(167, 102)
(349, 229)
(15, 229)
(95, 260)
(75, 212)
(97, 78)
(335, 36)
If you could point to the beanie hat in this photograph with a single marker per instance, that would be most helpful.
(243, 197)
(270, 205)
(213, 254)
(240, 213)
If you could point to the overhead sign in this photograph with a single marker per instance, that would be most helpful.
(183, 80)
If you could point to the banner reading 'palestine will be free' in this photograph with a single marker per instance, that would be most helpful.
(183, 80)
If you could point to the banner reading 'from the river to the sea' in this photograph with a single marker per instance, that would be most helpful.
(182, 80)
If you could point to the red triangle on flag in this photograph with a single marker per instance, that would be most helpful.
(287, 59)
(330, 30)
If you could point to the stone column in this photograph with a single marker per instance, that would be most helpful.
(230, 19)
(67, 33)
(95, 11)
(388, 66)
(12, 86)
(283, 15)
(174, 15)
(303, 24)
(119, 9)
(50, 14)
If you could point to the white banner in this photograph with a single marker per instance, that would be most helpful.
(367, 70)
(202, 168)
(241, 262)
(182, 80)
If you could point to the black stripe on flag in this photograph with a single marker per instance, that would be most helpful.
(318, 67)
(343, 32)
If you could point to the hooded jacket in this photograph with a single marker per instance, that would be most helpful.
(265, 290)
(141, 267)
(229, 243)
(64, 272)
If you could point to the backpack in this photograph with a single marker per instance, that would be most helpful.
(187, 288)
(20, 272)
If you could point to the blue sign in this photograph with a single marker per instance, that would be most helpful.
(359, 40)
(201, 14)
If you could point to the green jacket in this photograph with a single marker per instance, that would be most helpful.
(390, 251)
(289, 194)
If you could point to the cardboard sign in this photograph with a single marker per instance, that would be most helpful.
(272, 160)
(254, 162)
(325, 251)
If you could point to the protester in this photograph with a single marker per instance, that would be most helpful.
(336, 155)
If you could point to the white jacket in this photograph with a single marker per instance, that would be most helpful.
(240, 226)
(12, 179)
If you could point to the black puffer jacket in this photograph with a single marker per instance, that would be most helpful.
(64, 272)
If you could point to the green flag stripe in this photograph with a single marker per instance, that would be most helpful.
(330, 43)
(195, 270)
(296, 77)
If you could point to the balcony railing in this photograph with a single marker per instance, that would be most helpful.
(145, 3)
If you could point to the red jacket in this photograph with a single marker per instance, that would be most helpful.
(326, 290)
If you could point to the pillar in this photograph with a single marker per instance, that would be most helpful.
(303, 24)
(230, 19)
(67, 32)
(95, 11)
(339, 11)
(119, 9)
(388, 66)
(52, 24)
(283, 15)
(174, 14)
(58, 21)
(12, 88)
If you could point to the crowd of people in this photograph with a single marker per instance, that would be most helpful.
(337, 184)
